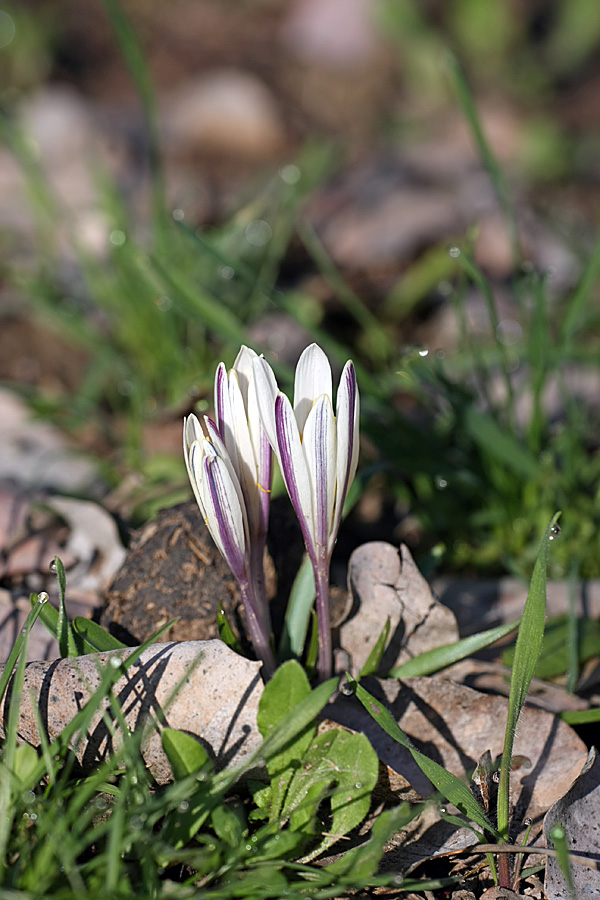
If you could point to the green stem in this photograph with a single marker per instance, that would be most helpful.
(324, 662)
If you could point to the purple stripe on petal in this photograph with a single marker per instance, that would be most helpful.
(227, 515)
(292, 465)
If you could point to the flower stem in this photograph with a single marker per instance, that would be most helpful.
(324, 661)
(258, 635)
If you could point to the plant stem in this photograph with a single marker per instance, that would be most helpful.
(324, 662)
(258, 635)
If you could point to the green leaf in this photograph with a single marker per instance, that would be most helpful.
(440, 657)
(25, 765)
(92, 638)
(345, 766)
(554, 655)
(185, 754)
(374, 658)
(226, 632)
(229, 824)
(451, 787)
(527, 650)
(288, 686)
(297, 615)
(362, 862)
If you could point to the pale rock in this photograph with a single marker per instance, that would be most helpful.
(201, 687)
(224, 111)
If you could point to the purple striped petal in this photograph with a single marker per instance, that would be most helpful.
(319, 444)
(225, 516)
(221, 398)
(293, 468)
(347, 409)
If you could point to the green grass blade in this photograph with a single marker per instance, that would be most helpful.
(440, 657)
(374, 658)
(64, 632)
(527, 650)
(38, 603)
(466, 100)
(451, 787)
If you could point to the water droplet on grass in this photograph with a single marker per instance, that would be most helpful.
(454, 252)
(554, 532)
(53, 567)
(42, 597)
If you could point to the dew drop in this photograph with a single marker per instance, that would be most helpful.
(115, 662)
(441, 483)
(226, 272)
(28, 797)
(527, 822)
(496, 777)
(346, 690)
(178, 214)
(52, 566)
(554, 532)
(42, 598)
(454, 252)
(133, 779)
(358, 785)
(442, 810)
(183, 806)
(423, 352)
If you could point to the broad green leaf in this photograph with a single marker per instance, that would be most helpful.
(440, 657)
(229, 823)
(363, 861)
(297, 615)
(527, 650)
(344, 766)
(25, 765)
(186, 755)
(374, 658)
(92, 638)
(451, 787)
(288, 686)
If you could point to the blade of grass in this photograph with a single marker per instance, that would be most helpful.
(451, 787)
(466, 100)
(529, 643)
(440, 657)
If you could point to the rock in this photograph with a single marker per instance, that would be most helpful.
(225, 111)
(203, 688)
(385, 584)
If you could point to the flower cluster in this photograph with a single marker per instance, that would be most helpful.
(230, 470)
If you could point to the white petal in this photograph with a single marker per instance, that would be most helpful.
(320, 444)
(347, 419)
(224, 514)
(243, 367)
(242, 451)
(265, 388)
(293, 468)
(313, 378)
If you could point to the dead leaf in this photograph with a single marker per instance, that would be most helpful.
(383, 583)
(578, 811)
(201, 687)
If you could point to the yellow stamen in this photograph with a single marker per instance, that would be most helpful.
(261, 488)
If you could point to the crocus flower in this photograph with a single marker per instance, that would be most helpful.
(317, 452)
(229, 468)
